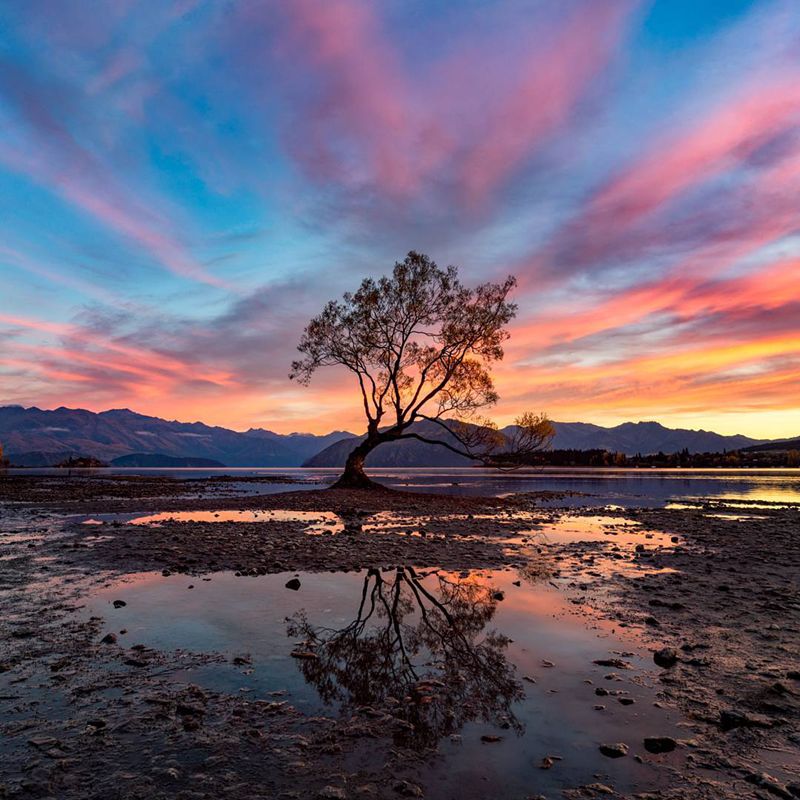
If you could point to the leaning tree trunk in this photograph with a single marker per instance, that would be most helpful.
(354, 476)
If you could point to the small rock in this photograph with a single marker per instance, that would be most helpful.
(617, 663)
(490, 738)
(408, 789)
(119, 604)
(332, 793)
(294, 585)
(772, 785)
(546, 763)
(189, 710)
(109, 638)
(43, 742)
(614, 750)
(665, 657)
(733, 718)
(659, 744)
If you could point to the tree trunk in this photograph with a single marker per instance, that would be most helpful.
(354, 476)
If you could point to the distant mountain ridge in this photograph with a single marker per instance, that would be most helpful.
(32, 436)
(629, 438)
(645, 438)
(36, 437)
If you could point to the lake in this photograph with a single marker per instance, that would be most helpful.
(622, 487)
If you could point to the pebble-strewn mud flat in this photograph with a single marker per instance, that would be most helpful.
(711, 594)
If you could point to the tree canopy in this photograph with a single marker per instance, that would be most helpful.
(421, 345)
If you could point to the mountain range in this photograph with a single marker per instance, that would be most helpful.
(36, 437)
(629, 438)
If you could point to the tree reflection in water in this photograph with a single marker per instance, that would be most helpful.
(420, 655)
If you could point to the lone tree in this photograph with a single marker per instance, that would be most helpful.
(421, 345)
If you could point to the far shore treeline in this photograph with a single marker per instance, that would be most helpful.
(725, 459)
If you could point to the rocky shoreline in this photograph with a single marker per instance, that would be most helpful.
(87, 714)
(723, 612)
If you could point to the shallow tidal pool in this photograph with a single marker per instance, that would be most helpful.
(493, 669)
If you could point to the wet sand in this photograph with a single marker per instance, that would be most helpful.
(88, 711)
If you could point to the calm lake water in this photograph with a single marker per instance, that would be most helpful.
(623, 487)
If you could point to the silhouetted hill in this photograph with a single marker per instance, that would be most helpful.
(629, 438)
(781, 444)
(31, 435)
(160, 460)
(643, 437)
(408, 453)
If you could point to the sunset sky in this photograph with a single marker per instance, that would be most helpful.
(183, 184)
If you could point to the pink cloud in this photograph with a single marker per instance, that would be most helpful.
(366, 95)
(136, 355)
(721, 141)
(367, 122)
(686, 295)
(620, 220)
(535, 106)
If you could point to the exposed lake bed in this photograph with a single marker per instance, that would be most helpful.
(348, 644)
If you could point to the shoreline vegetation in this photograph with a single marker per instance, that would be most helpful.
(717, 619)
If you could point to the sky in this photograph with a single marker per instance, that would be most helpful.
(184, 184)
